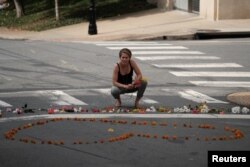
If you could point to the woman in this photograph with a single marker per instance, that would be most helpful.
(123, 78)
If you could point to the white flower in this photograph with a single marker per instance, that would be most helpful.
(151, 109)
(236, 110)
(186, 109)
(204, 109)
(177, 109)
(17, 111)
(245, 110)
(56, 110)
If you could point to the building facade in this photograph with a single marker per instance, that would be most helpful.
(225, 9)
(210, 9)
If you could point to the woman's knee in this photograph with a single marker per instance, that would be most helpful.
(144, 83)
(115, 92)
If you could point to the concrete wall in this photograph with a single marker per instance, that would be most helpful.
(234, 9)
(212, 9)
(225, 9)
(208, 9)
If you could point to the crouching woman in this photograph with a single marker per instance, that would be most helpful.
(122, 79)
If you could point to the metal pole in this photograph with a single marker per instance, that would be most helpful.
(92, 19)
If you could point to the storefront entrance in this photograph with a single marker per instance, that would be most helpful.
(195, 6)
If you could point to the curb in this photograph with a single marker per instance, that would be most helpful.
(215, 34)
(157, 116)
(169, 37)
(198, 36)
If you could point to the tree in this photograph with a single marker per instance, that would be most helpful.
(19, 8)
(57, 10)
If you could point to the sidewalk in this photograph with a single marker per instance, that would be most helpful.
(147, 25)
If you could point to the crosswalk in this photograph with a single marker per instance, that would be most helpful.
(158, 55)
(162, 52)
(72, 97)
(96, 96)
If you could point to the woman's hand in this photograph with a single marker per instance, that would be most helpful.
(137, 83)
(129, 86)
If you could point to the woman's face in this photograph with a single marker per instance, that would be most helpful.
(124, 59)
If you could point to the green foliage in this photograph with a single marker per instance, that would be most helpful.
(40, 14)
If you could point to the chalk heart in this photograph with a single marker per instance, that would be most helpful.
(228, 133)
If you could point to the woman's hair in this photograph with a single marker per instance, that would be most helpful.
(126, 51)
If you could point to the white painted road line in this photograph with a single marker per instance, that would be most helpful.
(165, 52)
(106, 91)
(132, 44)
(4, 104)
(198, 97)
(152, 58)
(5, 77)
(149, 101)
(119, 115)
(199, 65)
(148, 47)
(118, 42)
(209, 74)
(60, 98)
(144, 99)
(240, 84)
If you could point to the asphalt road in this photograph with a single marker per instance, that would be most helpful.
(124, 141)
(189, 72)
(42, 74)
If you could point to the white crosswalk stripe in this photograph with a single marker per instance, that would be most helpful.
(152, 58)
(132, 44)
(199, 65)
(238, 84)
(149, 48)
(56, 97)
(60, 98)
(123, 42)
(4, 104)
(166, 52)
(194, 96)
(198, 97)
(210, 74)
(106, 91)
(145, 100)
